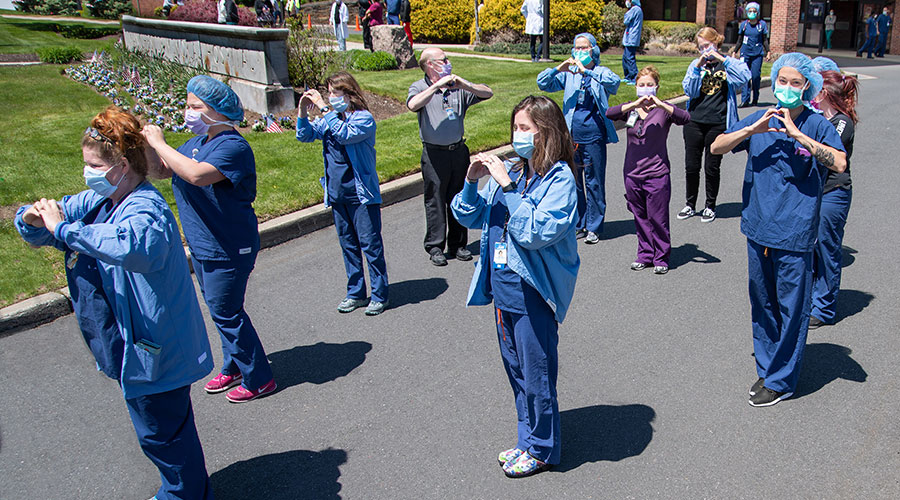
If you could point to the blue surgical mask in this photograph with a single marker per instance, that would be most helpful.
(788, 97)
(523, 144)
(446, 70)
(96, 180)
(644, 91)
(338, 103)
(583, 56)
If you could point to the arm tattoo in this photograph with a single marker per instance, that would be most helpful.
(824, 156)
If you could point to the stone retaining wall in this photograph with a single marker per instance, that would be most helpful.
(252, 60)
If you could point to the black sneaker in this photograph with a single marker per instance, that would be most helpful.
(686, 213)
(580, 233)
(815, 322)
(437, 257)
(757, 386)
(768, 397)
(462, 254)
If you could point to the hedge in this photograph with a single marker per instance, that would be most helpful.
(447, 21)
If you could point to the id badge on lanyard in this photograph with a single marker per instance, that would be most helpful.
(632, 119)
(500, 255)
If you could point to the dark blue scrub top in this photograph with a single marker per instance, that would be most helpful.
(782, 190)
(510, 292)
(753, 38)
(218, 220)
(338, 172)
(587, 121)
(872, 25)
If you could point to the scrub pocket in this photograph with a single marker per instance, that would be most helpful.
(142, 361)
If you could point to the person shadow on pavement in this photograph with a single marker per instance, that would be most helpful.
(824, 363)
(728, 210)
(407, 292)
(311, 475)
(604, 433)
(318, 363)
(850, 302)
(690, 252)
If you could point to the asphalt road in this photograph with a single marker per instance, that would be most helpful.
(654, 372)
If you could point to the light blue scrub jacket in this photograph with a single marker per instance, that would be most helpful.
(357, 135)
(634, 24)
(146, 279)
(603, 84)
(736, 74)
(541, 227)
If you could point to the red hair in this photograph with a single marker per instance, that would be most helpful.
(841, 91)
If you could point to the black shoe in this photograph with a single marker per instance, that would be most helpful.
(580, 233)
(815, 322)
(768, 397)
(462, 254)
(757, 386)
(745, 104)
(437, 257)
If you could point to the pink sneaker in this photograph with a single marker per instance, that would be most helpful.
(241, 395)
(222, 382)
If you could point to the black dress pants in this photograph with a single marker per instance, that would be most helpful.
(698, 137)
(444, 173)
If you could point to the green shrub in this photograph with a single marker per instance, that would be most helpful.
(59, 7)
(85, 32)
(364, 60)
(447, 21)
(58, 55)
(502, 21)
(672, 31)
(110, 9)
(308, 66)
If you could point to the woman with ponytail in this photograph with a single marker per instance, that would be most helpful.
(132, 294)
(837, 101)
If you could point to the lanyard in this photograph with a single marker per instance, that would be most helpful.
(524, 191)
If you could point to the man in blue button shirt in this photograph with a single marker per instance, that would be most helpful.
(789, 148)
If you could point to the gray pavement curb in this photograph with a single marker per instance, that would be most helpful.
(50, 306)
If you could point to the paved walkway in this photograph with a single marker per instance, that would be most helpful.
(414, 404)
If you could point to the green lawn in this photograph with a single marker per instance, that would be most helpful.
(23, 36)
(40, 156)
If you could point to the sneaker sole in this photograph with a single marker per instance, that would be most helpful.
(223, 389)
(543, 468)
(683, 217)
(773, 402)
(350, 310)
(260, 395)
(707, 220)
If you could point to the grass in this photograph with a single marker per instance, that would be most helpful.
(40, 154)
(23, 36)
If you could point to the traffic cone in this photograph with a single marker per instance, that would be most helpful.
(309, 20)
(357, 22)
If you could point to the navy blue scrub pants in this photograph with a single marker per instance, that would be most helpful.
(165, 429)
(755, 65)
(868, 46)
(629, 63)
(780, 295)
(828, 254)
(590, 184)
(359, 232)
(223, 284)
(882, 45)
(528, 345)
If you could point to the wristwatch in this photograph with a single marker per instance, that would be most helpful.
(510, 187)
(325, 109)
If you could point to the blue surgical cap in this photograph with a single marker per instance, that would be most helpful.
(752, 5)
(823, 63)
(595, 50)
(636, 2)
(804, 65)
(217, 95)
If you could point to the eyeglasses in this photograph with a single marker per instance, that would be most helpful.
(442, 61)
(96, 135)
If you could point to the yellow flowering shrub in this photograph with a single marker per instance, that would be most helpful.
(447, 21)
(567, 19)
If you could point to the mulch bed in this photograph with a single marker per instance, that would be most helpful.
(19, 58)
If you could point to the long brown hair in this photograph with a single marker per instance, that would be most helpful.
(345, 82)
(552, 142)
(841, 92)
(710, 34)
(120, 138)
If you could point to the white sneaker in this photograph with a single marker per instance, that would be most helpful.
(686, 213)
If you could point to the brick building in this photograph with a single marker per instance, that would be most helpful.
(791, 22)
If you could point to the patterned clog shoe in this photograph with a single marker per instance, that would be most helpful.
(525, 466)
(510, 455)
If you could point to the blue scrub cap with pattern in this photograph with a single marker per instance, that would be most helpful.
(823, 63)
(636, 2)
(217, 95)
(752, 5)
(595, 50)
(804, 65)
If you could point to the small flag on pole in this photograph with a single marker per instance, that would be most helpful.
(150, 80)
(94, 57)
(135, 76)
(272, 125)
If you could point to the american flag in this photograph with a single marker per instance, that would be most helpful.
(94, 57)
(135, 76)
(272, 125)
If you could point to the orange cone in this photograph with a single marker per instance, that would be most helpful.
(357, 22)
(309, 20)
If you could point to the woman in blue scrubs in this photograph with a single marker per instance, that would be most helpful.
(753, 46)
(587, 87)
(347, 132)
(837, 101)
(133, 296)
(789, 148)
(529, 262)
(214, 181)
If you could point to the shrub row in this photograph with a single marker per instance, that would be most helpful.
(58, 55)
